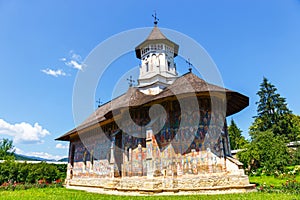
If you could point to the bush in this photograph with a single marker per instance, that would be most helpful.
(291, 187)
(24, 186)
(13, 172)
(296, 156)
(266, 152)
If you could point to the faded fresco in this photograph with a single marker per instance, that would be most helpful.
(173, 145)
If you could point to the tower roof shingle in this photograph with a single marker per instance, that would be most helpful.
(156, 36)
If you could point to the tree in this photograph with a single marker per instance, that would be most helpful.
(237, 140)
(296, 156)
(273, 114)
(270, 105)
(288, 126)
(6, 149)
(266, 151)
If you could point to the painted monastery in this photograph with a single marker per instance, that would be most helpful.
(167, 134)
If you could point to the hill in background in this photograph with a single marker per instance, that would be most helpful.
(34, 158)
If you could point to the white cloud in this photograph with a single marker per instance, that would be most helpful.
(74, 61)
(61, 146)
(39, 154)
(75, 56)
(74, 64)
(55, 73)
(18, 151)
(24, 132)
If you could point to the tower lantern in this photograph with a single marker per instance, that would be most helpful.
(158, 69)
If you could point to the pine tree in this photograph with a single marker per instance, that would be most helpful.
(237, 140)
(271, 106)
(273, 113)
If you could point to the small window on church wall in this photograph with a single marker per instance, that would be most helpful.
(147, 66)
(169, 65)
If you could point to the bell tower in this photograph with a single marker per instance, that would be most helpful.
(157, 69)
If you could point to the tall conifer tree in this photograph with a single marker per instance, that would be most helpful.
(271, 106)
(237, 140)
(273, 113)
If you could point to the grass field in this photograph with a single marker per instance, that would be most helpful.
(270, 180)
(62, 193)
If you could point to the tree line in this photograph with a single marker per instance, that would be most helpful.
(12, 172)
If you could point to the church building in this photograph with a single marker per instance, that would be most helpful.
(167, 134)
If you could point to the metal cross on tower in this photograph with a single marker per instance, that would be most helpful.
(190, 64)
(130, 81)
(99, 102)
(155, 18)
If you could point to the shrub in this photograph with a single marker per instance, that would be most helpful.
(11, 171)
(266, 152)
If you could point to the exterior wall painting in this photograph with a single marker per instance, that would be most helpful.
(170, 152)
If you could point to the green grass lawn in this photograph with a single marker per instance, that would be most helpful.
(62, 193)
(270, 180)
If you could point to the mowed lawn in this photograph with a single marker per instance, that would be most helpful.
(62, 193)
(270, 180)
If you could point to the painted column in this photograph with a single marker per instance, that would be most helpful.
(125, 162)
(140, 160)
(112, 156)
(149, 158)
(71, 161)
(130, 162)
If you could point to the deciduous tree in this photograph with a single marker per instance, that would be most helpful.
(6, 149)
(266, 151)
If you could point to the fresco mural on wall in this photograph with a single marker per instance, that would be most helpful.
(179, 147)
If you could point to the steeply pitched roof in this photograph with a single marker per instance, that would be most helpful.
(156, 36)
(189, 83)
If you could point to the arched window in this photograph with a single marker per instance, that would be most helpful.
(147, 66)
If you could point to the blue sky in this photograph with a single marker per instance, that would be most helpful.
(246, 39)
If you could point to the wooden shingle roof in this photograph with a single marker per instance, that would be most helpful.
(155, 37)
(187, 84)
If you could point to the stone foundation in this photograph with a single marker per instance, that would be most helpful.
(231, 180)
(209, 183)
